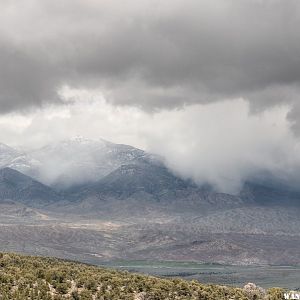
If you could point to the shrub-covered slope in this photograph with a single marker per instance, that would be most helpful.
(24, 277)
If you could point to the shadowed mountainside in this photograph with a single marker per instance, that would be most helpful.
(21, 188)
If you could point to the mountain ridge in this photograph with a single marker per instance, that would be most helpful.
(140, 209)
(19, 187)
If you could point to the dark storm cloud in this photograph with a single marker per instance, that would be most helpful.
(151, 54)
(25, 80)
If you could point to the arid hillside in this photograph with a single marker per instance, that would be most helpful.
(25, 277)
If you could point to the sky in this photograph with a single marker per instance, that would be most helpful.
(210, 85)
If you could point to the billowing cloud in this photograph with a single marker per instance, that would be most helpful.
(219, 143)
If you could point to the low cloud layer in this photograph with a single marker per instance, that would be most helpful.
(219, 143)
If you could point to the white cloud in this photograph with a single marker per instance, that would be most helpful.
(220, 143)
(223, 144)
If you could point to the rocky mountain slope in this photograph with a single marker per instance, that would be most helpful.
(78, 161)
(16, 159)
(22, 188)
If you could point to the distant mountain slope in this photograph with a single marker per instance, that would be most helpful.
(79, 160)
(18, 160)
(141, 176)
(19, 212)
(270, 195)
(155, 214)
(70, 162)
(86, 168)
(22, 188)
(7, 154)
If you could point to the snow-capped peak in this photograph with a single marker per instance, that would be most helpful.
(4, 147)
(71, 161)
(80, 139)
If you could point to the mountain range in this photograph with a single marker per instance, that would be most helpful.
(96, 200)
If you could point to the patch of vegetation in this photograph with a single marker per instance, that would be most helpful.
(26, 277)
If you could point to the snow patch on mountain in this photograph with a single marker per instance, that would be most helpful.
(74, 161)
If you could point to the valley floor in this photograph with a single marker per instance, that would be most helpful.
(264, 276)
(244, 241)
(156, 248)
